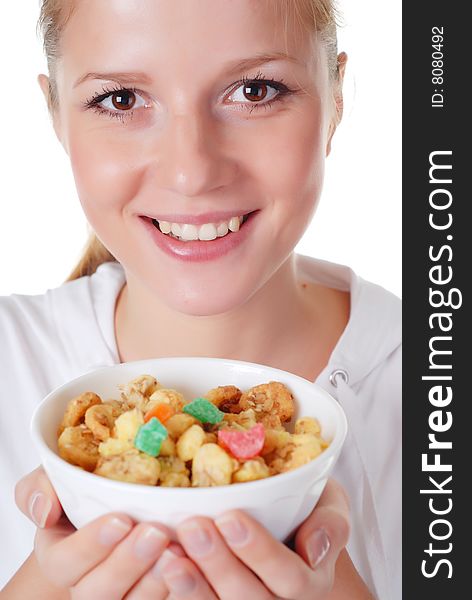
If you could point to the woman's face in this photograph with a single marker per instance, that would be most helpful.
(196, 140)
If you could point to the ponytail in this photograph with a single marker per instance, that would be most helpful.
(93, 256)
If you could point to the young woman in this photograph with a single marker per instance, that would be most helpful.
(197, 133)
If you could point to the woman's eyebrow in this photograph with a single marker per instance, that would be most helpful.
(117, 76)
(259, 59)
(230, 68)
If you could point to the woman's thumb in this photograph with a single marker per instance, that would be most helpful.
(36, 498)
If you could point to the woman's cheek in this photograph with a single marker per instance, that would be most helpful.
(294, 171)
(296, 156)
(105, 178)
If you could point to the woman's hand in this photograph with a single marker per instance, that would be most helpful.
(114, 558)
(111, 557)
(236, 557)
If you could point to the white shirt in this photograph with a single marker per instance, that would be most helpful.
(48, 339)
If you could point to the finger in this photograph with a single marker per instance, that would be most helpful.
(282, 571)
(152, 586)
(325, 532)
(126, 564)
(222, 569)
(36, 498)
(183, 579)
(65, 554)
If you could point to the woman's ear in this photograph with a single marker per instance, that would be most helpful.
(45, 86)
(337, 98)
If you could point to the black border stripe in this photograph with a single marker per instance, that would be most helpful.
(426, 129)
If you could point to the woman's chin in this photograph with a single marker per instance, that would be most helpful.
(203, 303)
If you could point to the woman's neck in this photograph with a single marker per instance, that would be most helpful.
(276, 323)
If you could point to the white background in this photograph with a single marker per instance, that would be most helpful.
(42, 228)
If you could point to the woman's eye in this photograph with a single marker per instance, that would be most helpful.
(255, 92)
(122, 100)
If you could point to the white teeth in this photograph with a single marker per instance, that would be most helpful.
(175, 228)
(222, 229)
(165, 226)
(188, 232)
(206, 232)
(234, 224)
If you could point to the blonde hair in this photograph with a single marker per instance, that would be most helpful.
(313, 15)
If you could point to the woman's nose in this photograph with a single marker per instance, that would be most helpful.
(192, 157)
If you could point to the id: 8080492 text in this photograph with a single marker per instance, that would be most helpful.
(437, 67)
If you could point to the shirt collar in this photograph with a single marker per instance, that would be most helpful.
(374, 327)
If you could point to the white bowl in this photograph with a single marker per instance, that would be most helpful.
(281, 503)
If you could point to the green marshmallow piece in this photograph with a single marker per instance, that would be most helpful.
(203, 410)
(150, 437)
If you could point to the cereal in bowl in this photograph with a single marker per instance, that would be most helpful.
(154, 436)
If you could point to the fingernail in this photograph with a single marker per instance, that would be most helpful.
(317, 547)
(113, 531)
(39, 508)
(166, 558)
(178, 580)
(149, 543)
(196, 539)
(232, 529)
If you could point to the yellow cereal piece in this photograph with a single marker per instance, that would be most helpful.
(307, 440)
(174, 473)
(251, 470)
(168, 447)
(127, 425)
(211, 466)
(172, 464)
(114, 446)
(189, 442)
(177, 424)
(301, 449)
(306, 449)
(175, 480)
(274, 440)
(131, 466)
(307, 425)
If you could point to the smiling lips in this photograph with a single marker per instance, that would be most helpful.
(220, 238)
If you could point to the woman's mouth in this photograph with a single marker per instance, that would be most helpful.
(202, 242)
